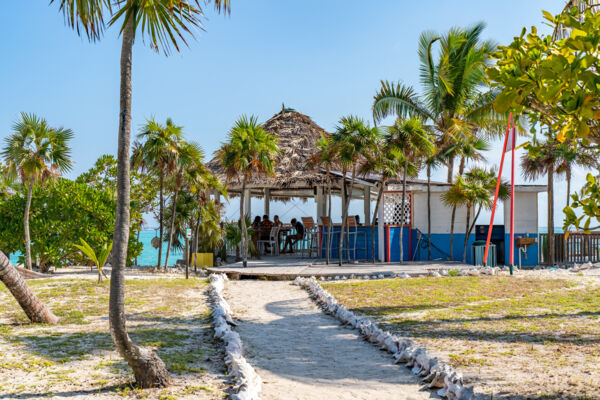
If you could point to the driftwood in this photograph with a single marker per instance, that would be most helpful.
(28, 274)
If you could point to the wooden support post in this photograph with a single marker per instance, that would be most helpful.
(380, 230)
(367, 205)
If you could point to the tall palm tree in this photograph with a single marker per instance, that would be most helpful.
(249, 151)
(36, 152)
(324, 157)
(164, 23)
(543, 158)
(410, 138)
(156, 152)
(351, 141)
(474, 191)
(455, 99)
(431, 163)
(188, 156)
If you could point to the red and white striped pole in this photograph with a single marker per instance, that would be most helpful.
(489, 234)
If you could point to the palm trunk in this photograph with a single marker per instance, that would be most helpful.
(243, 225)
(148, 368)
(343, 217)
(550, 216)
(161, 206)
(26, 225)
(347, 206)
(196, 233)
(467, 226)
(568, 173)
(429, 212)
(379, 195)
(461, 169)
(36, 310)
(171, 231)
(403, 219)
(450, 170)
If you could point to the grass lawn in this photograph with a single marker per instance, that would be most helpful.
(521, 337)
(77, 359)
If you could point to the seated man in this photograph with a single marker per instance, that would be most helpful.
(265, 229)
(292, 239)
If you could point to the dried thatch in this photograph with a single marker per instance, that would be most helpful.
(298, 135)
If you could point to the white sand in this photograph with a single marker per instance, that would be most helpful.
(301, 353)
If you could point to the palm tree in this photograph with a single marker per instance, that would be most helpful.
(36, 310)
(188, 156)
(324, 157)
(410, 138)
(468, 148)
(164, 23)
(36, 152)
(455, 101)
(248, 152)
(571, 157)
(431, 162)
(156, 152)
(474, 191)
(351, 141)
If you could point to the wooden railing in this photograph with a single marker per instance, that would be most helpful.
(578, 248)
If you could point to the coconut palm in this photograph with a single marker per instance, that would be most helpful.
(455, 100)
(36, 152)
(164, 23)
(350, 142)
(410, 138)
(573, 157)
(474, 191)
(249, 151)
(187, 156)
(432, 162)
(155, 152)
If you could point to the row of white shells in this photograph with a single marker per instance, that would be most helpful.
(247, 382)
(475, 271)
(435, 374)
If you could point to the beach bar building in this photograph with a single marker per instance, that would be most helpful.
(296, 176)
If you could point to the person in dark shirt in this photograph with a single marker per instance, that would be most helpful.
(290, 240)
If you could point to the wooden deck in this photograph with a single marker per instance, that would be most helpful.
(288, 268)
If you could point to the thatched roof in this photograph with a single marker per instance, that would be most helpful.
(298, 136)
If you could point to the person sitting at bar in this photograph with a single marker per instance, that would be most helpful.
(265, 229)
(291, 240)
(277, 222)
(255, 236)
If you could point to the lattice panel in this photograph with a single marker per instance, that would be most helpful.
(394, 213)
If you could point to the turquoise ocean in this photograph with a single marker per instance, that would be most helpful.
(149, 255)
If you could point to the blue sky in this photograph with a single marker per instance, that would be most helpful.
(323, 58)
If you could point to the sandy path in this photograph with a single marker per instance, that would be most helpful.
(301, 353)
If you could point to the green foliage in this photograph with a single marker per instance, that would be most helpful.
(100, 259)
(233, 234)
(588, 203)
(61, 213)
(210, 234)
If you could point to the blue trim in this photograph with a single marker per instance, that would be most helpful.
(532, 251)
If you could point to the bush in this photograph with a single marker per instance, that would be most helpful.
(62, 213)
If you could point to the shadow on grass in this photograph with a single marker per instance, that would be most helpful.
(437, 328)
(68, 393)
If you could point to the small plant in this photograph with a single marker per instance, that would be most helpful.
(453, 272)
(99, 260)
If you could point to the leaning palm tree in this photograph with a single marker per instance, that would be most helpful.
(189, 156)
(36, 152)
(455, 99)
(35, 310)
(164, 23)
(248, 152)
(474, 191)
(352, 139)
(155, 152)
(410, 138)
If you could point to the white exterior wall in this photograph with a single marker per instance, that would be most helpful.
(440, 214)
(526, 213)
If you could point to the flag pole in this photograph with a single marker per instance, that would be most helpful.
(512, 203)
(489, 233)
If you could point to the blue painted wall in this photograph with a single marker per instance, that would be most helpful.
(363, 243)
(532, 251)
(440, 246)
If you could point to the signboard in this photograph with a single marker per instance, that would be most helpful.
(188, 233)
